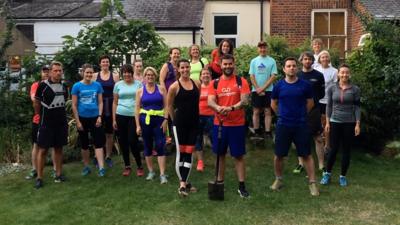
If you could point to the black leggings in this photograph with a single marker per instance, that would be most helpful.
(128, 139)
(340, 133)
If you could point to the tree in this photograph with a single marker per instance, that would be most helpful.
(6, 37)
(375, 69)
(112, 37)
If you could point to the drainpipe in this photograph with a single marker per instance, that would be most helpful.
(261, 20)
(194, 36)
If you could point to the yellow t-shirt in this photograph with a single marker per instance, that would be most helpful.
(195, 69)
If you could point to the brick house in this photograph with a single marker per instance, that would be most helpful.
(183, 22)
(334, 21)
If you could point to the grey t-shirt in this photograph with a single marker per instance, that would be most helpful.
(343, 105)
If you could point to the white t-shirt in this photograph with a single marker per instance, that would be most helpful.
(330, 77)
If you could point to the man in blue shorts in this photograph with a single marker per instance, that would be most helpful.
(50, 99)
(227, 96)
(262, 75)
(292, 99)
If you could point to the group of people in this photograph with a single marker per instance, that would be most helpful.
(197, 98)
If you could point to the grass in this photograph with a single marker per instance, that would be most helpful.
(371, 198)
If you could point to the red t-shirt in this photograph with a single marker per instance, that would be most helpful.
(204, 109)
(34, 87)
(228, 94)
(215, 63)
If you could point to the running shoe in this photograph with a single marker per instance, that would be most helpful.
(38, 183)
(190, 188)
(32, 174)
(326, 178)
(109, 162)
(102, 172)
(163, 179)
(200, 166)
(313, 189)
(86, 171)
(277, 185)
(127, 171)
(299, 168)
(59, 179)
(343, 181)
(256, 137)
(268, 135)
(182, 191)
(139, 172)
(150, 175)
(243, 193)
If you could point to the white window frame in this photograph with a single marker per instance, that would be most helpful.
(329, 25)
(235, 36)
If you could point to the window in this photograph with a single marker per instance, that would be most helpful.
(330, 27)
(225, 26)
(26, 30)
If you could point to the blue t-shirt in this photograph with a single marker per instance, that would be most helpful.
(126, 97)
(292, 102)
(262, 68)
(87, 94)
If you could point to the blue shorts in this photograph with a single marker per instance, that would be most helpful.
(300, 136)
(233, 137)
(153, 135)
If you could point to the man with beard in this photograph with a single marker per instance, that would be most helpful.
(227, 96)
(292, 99)
(317, 82)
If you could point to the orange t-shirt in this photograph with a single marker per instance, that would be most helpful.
(228, 94)
(34, 87)
(204, 109)
(214, 64)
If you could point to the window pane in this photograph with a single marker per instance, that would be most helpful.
(218, 40)
(337, 23)
(26, 30)
(225, 25)
(321, 23)
(339, 43)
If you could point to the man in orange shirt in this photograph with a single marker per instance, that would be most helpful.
(227, 98)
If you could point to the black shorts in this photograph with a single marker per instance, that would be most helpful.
(97, 133)
(107, 124)
(35, 128)
(314, 121)
(263, 101)
(323, 108)
(52, 136)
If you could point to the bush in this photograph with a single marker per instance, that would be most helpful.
(375, 69)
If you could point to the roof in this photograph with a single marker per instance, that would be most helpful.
(167, 13)
(57, 9)
(383, 9)
(163, 14)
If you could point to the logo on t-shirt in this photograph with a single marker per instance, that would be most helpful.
(261, 68)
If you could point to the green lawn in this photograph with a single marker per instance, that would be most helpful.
(373, 196)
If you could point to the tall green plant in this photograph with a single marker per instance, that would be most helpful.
(112, 37)
(375, 69)
(6, 36)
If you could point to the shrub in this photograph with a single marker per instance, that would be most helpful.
(375, 69)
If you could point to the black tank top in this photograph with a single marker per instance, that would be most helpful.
(187, 106)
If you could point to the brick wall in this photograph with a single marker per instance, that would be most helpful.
(291, 19)
(357, 27)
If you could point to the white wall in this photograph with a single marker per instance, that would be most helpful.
(248, 15)
(48, 35)
(179, 38)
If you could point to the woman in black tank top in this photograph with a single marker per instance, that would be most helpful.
(183, 107)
